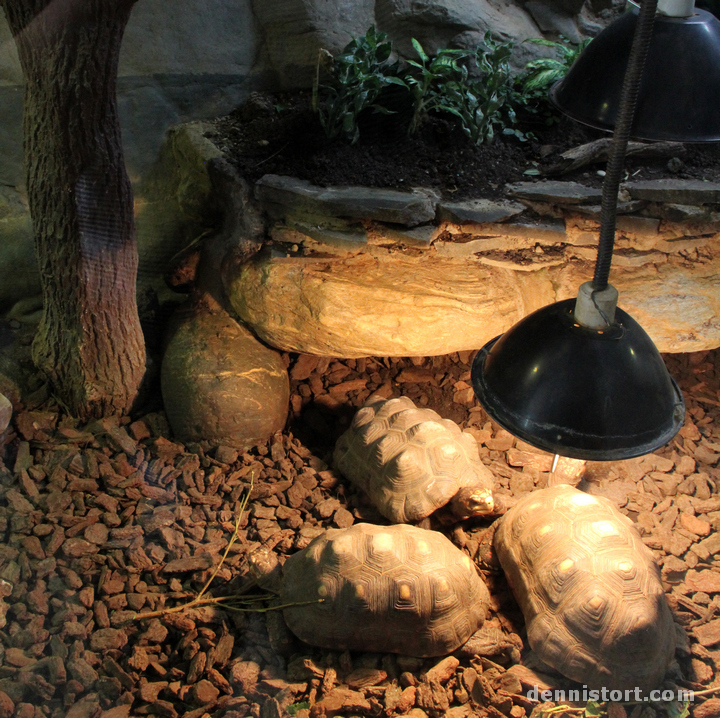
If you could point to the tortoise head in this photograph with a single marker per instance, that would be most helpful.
(472, 501)
(265, 568)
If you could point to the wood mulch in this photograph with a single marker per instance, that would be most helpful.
(105, 521)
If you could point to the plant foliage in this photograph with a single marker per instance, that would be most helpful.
(357, 76)
(528, 93)
(541, 73)
(476, 87)
(446, 84)
(432, 77)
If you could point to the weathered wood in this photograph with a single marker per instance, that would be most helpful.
(599, 150)
(89, 343)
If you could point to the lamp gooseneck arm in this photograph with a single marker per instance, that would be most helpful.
(621, 135)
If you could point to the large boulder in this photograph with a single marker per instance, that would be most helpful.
(294, 31)
(221, 385)
(19, 275)
(368, 306)
(457, 296)
(6, 411)
(445, 23)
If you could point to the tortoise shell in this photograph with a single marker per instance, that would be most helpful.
(409, 461)
(589, 589)
(396, 589)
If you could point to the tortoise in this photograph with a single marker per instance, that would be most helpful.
(411, 462)
(390, 589)
(589, 589)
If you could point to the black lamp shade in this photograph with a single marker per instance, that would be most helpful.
(577, 392)
(678, 98)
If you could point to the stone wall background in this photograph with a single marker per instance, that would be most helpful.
(203, 57)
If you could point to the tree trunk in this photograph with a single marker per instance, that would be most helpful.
(89, 343)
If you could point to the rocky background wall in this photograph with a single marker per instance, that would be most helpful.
(201, 59)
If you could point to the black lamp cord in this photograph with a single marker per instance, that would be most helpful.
(621, 135)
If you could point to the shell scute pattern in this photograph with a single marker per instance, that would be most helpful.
(561, 578)
(409, 461)
(398, 589)
(589, 589)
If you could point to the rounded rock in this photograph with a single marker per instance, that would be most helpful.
(221, 385)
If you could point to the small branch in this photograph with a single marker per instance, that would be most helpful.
(265, 609)
(240, 598)
(706, 692)
(198, 600)
(267, 159)
(243, 506)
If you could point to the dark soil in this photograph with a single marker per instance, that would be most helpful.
(281, 135)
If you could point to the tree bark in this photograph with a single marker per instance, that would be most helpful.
(89, 343)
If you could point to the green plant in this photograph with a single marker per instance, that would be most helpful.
(541, 73)
(445, 84)
(357, 76)
(294, 708)
(484, 99)
(599, 709)
(427, 86)
(527, 94)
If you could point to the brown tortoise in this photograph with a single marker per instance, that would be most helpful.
(388, 589)
(412, 462)
(589, 589)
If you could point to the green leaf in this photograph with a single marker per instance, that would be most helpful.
(451, 110)
(419, 50)
(383, 52)
(543, 79)
(295, 707)
(542, 41)
(677, 709)
(545, 63)
(534, 172)
(448, 52)
(593, 709)
(383, 110)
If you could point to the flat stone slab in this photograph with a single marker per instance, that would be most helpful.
(284, 197)
(416, 237)
(479, 211)
(509, 236)
(595, 210)
(354, 272)
(687, 213)
(678, 191)
(554, 192)
(350, 241)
